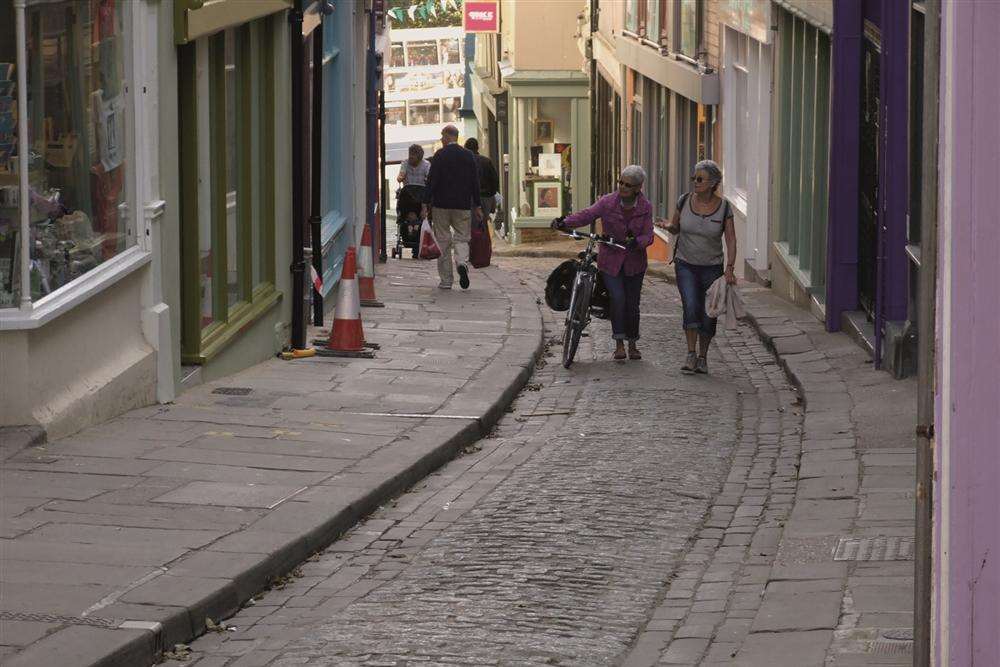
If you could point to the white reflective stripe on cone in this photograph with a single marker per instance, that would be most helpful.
(348, 301)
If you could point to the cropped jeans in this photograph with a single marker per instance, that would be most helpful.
(693, 281)
(624, 292)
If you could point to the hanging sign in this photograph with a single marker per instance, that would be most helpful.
(481, 16)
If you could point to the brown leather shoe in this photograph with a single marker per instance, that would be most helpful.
(619, 354)
(633, 353)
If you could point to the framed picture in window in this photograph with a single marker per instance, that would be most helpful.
(544, 131)
(548, 199)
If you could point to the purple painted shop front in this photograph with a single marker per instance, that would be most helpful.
(967, 447)
(878, 30)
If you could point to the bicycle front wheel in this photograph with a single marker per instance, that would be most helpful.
(578, 316)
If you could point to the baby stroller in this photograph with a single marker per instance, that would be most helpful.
(409, 199)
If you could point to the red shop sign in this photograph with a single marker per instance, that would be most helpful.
(481, 16)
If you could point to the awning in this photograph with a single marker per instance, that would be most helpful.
(198, 18)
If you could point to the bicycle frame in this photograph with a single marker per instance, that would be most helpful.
(578, 315)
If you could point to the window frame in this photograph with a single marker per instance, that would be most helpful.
(678, 26)
(206, 57)
(802, 106)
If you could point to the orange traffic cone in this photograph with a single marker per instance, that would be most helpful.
(366, 271)
(347, 338)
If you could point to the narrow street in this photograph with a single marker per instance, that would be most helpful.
(553, 540)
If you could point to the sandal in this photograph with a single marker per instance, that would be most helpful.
(619, 355)
(634, 354)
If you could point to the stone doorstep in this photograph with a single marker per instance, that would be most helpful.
(139, 641)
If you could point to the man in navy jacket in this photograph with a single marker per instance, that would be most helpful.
(452, 190)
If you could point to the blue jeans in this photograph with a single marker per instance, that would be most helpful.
(624, 294)
(693, 281)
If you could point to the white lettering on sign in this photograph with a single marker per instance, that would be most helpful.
(485, 15)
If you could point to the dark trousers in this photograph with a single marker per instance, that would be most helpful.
(693, 281)
(624, 294)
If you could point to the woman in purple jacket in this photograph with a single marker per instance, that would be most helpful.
(627, 217)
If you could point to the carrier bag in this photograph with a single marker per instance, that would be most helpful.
(429, 248)
(480, 246)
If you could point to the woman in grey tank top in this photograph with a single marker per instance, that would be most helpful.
(701, 221)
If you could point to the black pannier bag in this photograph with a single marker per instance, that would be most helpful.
(559, 289)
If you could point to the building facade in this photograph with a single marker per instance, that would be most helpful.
(657, 91)
(146, 208)
(966, 570)
(84, 325)
(531, 102)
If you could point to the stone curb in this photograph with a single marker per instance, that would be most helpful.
(329, 511)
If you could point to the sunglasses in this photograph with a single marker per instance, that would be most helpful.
(699, 179)
(626, 184)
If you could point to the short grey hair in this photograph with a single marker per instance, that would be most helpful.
(634, 173)
(710, 168)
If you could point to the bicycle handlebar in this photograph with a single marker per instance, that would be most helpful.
(606, 240)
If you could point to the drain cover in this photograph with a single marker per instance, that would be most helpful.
(232, 391)
(56, 618)
(881, 547)
(898, 634)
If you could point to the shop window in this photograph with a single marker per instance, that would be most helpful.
(423, 112)
(421, 53)
(395, 113)
(451, 51)
(396, 56)
(78, 162)
(803, 90)
(227, 130)
(548, 157)
(450, 106)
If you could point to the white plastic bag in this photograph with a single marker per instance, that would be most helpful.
(429, 248)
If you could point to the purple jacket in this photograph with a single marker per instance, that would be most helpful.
(618, 223)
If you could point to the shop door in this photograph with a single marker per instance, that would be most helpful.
(868, 219)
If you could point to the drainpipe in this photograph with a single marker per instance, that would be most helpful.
(926, 328)
(316, 183)
(298, 266)
(595, 13)
(371, 130)
(384, 192)
(23, 158)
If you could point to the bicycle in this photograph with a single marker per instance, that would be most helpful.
(578, 315)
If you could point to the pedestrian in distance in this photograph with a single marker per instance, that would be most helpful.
(489, 180)
(627, 217)
(452, 190)
(414, 170)
(701, 220)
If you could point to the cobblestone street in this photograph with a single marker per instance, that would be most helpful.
(553, 541)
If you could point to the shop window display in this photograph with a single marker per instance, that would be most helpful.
(549, 158)
(422, 53)
(424, 112)
(77, 160)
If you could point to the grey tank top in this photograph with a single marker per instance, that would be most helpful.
(700, 239)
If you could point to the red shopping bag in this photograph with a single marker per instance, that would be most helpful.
(480, 246)
(429, 248)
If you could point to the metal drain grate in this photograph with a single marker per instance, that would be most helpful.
(232, 391)
(881, 547)
(93, 621)
(895, 641)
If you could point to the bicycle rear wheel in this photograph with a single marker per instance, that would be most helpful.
(577, 317)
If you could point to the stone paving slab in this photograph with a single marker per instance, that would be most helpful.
(121, 540)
